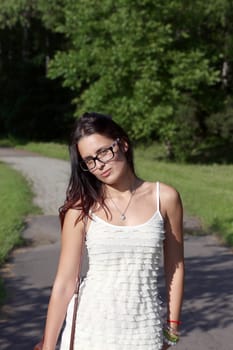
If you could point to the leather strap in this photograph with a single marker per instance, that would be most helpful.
(75, 309)
(76, 296)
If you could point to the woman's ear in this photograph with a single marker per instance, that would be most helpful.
(124, 146)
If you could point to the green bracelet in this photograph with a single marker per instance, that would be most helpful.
(170, 338)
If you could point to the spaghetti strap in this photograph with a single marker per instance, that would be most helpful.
(157, 195)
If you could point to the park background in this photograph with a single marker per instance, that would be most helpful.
(162, 69)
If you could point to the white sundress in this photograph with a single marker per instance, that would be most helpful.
(119, 305)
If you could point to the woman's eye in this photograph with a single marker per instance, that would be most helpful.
(103, 153)
(88, 161)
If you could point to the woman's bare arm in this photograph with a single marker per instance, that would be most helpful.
(173, 253)
(66, 277)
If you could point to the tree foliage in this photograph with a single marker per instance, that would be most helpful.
(156, 66)
(162, 68)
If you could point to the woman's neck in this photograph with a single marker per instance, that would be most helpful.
(129, 184)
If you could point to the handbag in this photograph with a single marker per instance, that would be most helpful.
(39, 346)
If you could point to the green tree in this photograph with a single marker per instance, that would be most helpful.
(163, 69)
(142, 62)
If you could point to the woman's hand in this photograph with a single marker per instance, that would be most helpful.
(38, 346)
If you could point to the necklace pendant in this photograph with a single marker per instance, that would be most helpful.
(123, 217)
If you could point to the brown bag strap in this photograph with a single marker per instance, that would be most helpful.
(76, 295)
(75, 309)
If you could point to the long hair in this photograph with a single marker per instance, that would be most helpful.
(84, 189)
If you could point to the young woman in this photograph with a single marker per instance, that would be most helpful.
(124, 222)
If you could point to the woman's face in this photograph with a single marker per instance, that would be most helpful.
(110, 164)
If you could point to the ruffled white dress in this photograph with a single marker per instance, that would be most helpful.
(119, 305)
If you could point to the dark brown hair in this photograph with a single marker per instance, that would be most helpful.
(84, 189)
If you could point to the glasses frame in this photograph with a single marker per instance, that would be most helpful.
(83, 164)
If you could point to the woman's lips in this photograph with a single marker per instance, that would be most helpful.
(106, 173)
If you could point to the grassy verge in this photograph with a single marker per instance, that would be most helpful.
(206, 190)
(15, 204)
(48, 149)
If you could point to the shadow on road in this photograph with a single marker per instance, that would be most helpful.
(208, 299)
(208, 295)
(23, 323)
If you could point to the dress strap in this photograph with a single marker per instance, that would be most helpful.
(157, 195)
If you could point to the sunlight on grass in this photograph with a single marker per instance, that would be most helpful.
(15, 204)
(48, 149)
(206, 190)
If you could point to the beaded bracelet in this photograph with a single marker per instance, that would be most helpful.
(170, 337)
(174, 321)
(171, 330)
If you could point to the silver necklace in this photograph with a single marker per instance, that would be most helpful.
(122, 213)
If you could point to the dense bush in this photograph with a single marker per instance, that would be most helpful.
(163, 69)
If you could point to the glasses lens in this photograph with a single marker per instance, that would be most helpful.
(87, 165)
(105, 155)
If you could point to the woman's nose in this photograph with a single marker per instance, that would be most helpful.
(99, 164)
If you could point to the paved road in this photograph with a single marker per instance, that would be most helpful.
(208, 304)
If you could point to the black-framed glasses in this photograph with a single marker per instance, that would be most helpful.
(104, 155)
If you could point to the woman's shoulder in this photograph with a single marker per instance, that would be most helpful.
(73, 217)
(168, 195)
(168, 190)
(164, 189)
(169, 198)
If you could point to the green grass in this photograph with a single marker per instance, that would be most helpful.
(206, 190)
(15, 204)
(48, 149)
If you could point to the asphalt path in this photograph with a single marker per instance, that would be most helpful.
(207, 317)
